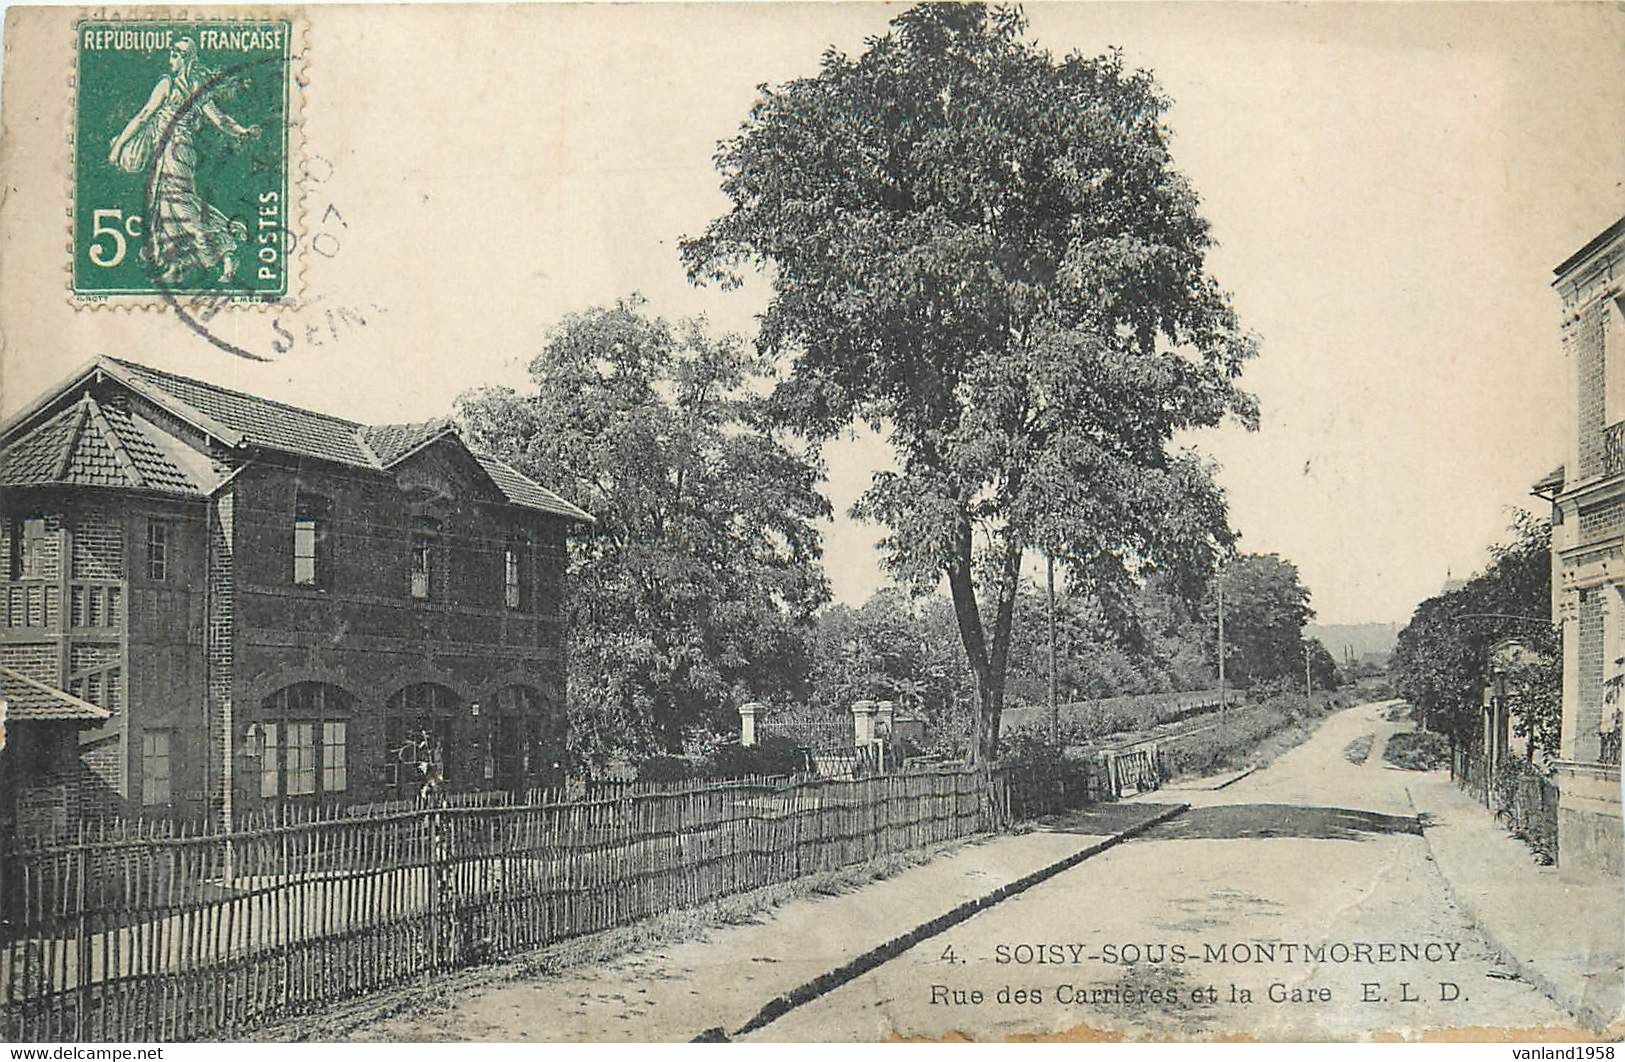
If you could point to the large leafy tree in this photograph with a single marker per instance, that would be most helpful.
(988, 255)
(1265, 608)
(698, 584)
(1442, 658)
(1322, 668)
(889, 649)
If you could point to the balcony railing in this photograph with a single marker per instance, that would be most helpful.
(33, 603)
(36, 604)
(96, 603)
(1613, 448)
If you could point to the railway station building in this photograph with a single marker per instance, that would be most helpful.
(223, 604)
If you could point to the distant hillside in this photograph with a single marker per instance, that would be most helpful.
(1363, 638)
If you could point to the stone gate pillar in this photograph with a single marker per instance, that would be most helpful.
(747, 722)
(863, 722)
(885, 715)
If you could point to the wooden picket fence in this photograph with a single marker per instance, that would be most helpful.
(1034, 790)
(135, 935)
(1137, 770)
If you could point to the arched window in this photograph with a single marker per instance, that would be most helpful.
(524, 739)
(420, 732)
(303, 737)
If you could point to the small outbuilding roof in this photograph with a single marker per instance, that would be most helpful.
(30, 699)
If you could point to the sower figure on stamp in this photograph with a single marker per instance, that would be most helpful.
(184, 231)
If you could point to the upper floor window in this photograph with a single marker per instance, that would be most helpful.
(27, 547)
(157, 550)
(425, 537)
(516, 573)
(312, 522)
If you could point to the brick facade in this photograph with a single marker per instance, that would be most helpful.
(1593, 665)
(1598, 522)
(219, 651)
(98, 547)
(269, 689)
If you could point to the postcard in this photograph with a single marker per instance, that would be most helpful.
(838, 522)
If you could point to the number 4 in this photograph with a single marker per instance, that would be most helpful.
(98, 254)
(948, 954)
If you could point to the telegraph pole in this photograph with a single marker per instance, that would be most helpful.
(1054, 706)
(1308, 685)
(1222, 697)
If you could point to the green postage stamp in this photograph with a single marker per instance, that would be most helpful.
(181, 155)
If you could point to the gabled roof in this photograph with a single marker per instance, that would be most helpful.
(31, 699)
(238, 420)
(92, 445)
(392, 442)
(260, 421)
(522, 490)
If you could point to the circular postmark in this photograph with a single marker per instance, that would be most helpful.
(187, 233)
(313, 321)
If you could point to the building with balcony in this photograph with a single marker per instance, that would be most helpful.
(246, 606)
(1588, 554)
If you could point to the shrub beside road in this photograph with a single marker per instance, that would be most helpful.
(1254, 734)
(1418, 750)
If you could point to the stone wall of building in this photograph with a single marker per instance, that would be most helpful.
(1585, 339)
(1593, 666)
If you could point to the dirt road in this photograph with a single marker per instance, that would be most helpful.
(1298, 903)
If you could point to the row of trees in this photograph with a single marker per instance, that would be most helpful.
(1442, 658)
(905, 648)
(987, 255)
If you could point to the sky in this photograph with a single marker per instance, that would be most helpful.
(1390, 186)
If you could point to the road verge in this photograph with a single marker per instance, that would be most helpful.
(828, 982)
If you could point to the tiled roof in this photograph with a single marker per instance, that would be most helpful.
(28, 698)
(1552, 480)
(260, 421)
(522, 490)
(35, 457)
(94, 461)
(92, 445)
(394, 441)
(112, 447)
(391, 442)
(140, 442)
